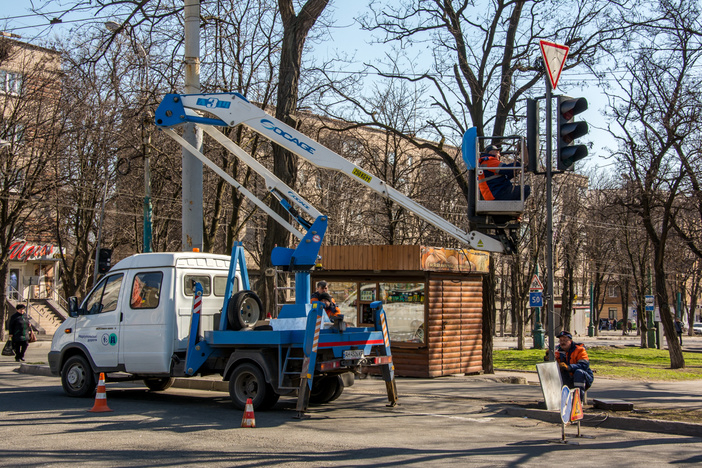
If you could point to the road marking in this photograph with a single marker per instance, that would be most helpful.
(447, 416)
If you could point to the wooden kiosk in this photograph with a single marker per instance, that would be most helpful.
(432, 297)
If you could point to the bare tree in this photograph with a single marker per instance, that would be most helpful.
(483, 63)
(31, 128)
(296, 27)
(655, 128)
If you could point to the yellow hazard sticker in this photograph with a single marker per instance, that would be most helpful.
(362, 175)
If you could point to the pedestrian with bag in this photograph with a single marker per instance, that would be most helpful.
(21, 332)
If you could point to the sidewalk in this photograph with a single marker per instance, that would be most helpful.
(509, 392)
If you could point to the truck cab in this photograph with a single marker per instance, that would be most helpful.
(136, 319)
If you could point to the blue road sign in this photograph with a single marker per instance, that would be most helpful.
(536, 299)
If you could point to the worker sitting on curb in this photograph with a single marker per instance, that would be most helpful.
(573, 363)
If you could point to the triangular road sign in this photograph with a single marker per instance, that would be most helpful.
(536, 284)
(554, 57)
(577, 413)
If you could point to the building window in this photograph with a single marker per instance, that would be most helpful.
(612, 291)
(612, 313)
(10, 82)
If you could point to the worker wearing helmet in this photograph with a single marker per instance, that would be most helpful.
(573, 363)
(494, 177)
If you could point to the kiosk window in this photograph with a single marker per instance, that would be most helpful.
(404, 308)
(403, 304)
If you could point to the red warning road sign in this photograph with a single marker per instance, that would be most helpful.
(536, 284)
(554, 57)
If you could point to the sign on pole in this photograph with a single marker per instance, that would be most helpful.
(536, 284)
(554, 57)
(536, 299)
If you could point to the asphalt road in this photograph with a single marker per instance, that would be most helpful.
(41, 426)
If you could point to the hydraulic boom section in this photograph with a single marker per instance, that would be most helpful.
(232, 109)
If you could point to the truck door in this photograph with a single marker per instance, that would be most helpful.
(147, 334)
(98, 328)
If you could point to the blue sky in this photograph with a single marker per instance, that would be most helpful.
(346, 37)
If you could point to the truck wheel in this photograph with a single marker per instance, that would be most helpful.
(271, 398)
(339, 391)
(159, 384)
(244, 310)
(324, 389)
(247, 381)
(77, 377)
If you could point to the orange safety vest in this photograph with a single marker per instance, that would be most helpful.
(484, 175)
(331, 311)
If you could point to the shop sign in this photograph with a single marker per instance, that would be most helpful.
(457, 260)
(22, 251)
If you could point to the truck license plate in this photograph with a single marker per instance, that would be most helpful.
(353, 354)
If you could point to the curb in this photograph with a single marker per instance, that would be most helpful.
(188, 383)
(35, 369)
(614, 422)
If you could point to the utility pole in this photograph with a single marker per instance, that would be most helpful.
(192, 213)
(148, 207)
(549, 225)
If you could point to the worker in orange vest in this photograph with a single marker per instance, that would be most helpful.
(329, 306)
(495, 177)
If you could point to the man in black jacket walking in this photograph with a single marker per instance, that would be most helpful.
(19, 330)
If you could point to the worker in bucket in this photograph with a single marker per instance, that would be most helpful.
(573, 363)
(494, 177)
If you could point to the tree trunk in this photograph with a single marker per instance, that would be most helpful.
(677, 361)
(489, 316)
(3, 302)
(295, 30)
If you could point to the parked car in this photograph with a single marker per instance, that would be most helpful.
(697, 328)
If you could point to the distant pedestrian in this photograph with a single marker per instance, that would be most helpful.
(679, 329)
(19, 330)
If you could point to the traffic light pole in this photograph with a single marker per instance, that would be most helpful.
(99, 238)
(549, 225)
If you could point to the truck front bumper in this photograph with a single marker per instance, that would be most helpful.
(54, 359)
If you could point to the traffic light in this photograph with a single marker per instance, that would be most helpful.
(104, 260)
(569, 130)
(532, 135)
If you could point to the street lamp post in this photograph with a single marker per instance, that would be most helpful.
(145, 138)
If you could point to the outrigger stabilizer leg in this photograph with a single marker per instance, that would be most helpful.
(388, 369)
(314, 325)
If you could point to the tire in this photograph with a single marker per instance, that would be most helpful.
(325, 388)
(77, 377)
(271, 398)
(339, 391)
(247, 381)
(159, 384)
(244, 310)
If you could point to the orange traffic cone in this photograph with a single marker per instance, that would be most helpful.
(249, 420)
(100, 397)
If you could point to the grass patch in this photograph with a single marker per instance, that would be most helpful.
(629, 363)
